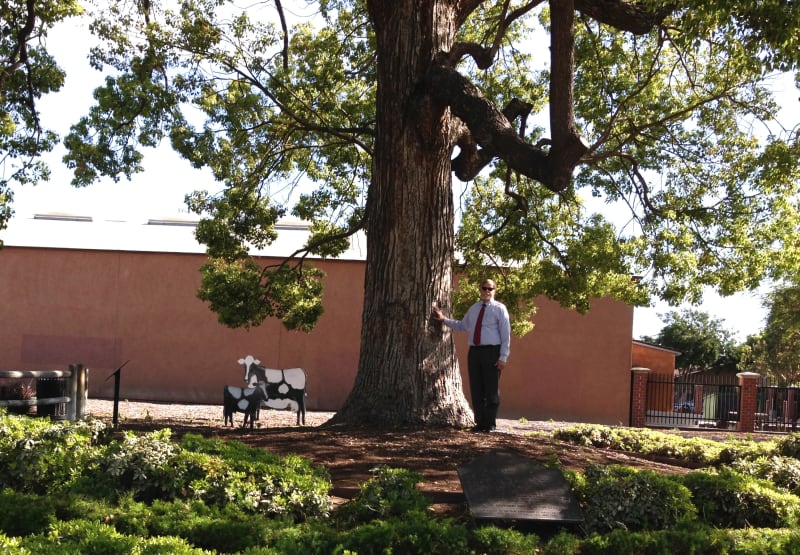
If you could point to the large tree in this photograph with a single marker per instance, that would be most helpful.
(703, 341)
(775, 352)
(27, 71)
(532, 106)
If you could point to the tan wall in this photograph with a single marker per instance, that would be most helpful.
(102, 308)
(659, 361)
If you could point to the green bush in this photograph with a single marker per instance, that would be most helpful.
(39, 456)
(259, 481)
(644, 441)
(783, 472)
(223, 529)
(741, 450)
(490, 540)
(789, 446)
(621, 497)
(389, 493)
(22, 514)
(414, 533)
(700, 539)
(82, 537)
(726, 498)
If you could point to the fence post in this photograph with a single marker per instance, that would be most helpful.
(72, 392)
(83, 392)
(748, 401)
(639, 396)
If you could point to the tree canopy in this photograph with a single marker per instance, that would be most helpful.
(590, 142)
(703, 341)
(27, 71)
(775, 352)
(666, 104)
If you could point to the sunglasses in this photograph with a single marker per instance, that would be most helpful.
(488, 288)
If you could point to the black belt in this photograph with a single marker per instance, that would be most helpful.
(483, 346)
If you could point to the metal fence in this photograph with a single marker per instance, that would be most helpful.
(675, 404)
(778, 408)
(713, 402)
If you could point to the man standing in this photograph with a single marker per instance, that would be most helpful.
(489, 346)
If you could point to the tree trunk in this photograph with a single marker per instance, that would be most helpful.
(408, 371)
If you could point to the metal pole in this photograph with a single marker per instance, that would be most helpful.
(117, 373)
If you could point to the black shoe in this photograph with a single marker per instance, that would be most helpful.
(476, 428)
(490, 430)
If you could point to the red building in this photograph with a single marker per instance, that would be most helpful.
(102, 293)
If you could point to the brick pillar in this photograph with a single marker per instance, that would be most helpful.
(698, 399)
(748, 401)
(639, 396)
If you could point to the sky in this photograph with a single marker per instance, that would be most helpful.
(159, 191)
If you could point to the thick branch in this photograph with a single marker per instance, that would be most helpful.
(285, 29)
(622, 14)
(19, 55)
(567, 147)
(488, 128)
(482, 55)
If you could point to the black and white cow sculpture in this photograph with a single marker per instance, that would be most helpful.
(285, 388)
(242, 399)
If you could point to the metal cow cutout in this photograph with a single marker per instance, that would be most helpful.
(247, 400)
(285, 388)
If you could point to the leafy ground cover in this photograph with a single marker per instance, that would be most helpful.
(158, 486)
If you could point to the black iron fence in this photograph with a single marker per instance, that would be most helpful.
(778, 408)
(713, 402)
(673, 404)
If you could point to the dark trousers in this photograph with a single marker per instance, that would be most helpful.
(484, 384)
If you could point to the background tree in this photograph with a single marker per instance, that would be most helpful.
(27, 71)
(703, 341)
(651, 106)
(775, 353)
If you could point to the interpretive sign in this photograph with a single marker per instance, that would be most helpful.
(508, 486)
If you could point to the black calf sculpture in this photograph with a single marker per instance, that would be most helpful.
(247, 400)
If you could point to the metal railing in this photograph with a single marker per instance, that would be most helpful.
(778, 408)
(675, 404)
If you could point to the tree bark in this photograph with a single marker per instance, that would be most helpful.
(408, 371)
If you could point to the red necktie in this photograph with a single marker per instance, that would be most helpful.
(476, 336)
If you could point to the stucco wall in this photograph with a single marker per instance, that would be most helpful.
(659, 360)
(103, 308)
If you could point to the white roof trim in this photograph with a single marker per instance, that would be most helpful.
(162, 234)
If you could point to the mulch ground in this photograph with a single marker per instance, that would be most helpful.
(350, 454)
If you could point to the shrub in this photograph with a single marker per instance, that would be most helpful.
(729, 499)
(83, 537)
(742, 450)
(414, 533)
(222, 529)
(783, 472)
(490, 540)
(390, 492)
(637, 440)
(91, 537)
(789, 446)
(23, 514)
(12, 546)
(149, 466)
(620, 497)
(699, 539)
(39, 456)
(259, 481)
